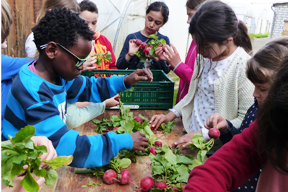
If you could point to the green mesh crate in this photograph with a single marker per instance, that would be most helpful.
(144, 95)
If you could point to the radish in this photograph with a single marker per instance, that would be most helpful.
(94, 37)
(214, 133)
(158, 143)
(115, 128)
(183, 187)
(175, 189)
(161, 185)
(150, 46)
(146, 50)
(109, 176)
(153, 150)
(146, 184)
(124, 177)
(138, 119)
(138, 42)
(143, 45)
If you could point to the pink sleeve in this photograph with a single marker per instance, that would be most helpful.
(184, 72)
(230, 167)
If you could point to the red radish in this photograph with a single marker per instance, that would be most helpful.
(153, 150)
(146, 50)
(158, 143)
(138, 119)
(161, 185)
(164, 47)
(146, 184)
(183, 187)
(115, 128)
(214, 133)
(94, 37)
(175, 189)
(138, 42)
(109, 176)
(124, 177)
(143, 45)
(150, 46)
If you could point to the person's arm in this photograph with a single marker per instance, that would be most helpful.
(185, 70)
(122, 62)
(94, 89)
(10, 66)
(229, 167)
(78, 116)
(229, 134)
(245, 97)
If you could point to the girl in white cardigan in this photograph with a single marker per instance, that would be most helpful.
(219, 84)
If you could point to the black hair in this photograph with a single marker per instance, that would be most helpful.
(159, 6)
(215, 22)
(272, 121)
(63, 26)
(194, 4)
(87, 5)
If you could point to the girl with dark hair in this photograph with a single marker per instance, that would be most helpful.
(261, 71)
(182, 70)
(263, 143)
(218, 84)
(157, 15)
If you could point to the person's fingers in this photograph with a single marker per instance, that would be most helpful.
(141, 149)
(144, 144)
(174, 49)
(214, 122)
(186, 144)
(222, 125)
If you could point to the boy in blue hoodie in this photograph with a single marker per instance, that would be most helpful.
(39, 93)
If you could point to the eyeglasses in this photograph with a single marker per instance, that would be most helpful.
(79, 62)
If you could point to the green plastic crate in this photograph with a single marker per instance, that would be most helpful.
(144, 95)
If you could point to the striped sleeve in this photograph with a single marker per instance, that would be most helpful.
(94, 89)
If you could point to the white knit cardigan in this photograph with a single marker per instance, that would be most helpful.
(233, 92)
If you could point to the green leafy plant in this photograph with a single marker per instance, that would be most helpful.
(167, 127)
(105, 56)
(150, 47)
(22, 156)
(200, 144)
(102, 125)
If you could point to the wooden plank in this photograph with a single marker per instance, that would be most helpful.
(69, 181)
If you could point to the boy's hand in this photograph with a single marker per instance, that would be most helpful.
(139, 140)
(113, 101)
(138, 75)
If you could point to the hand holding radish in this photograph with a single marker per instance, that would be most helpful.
(89, 64)
(113, 101)
(138, 75)
(185, 139)
(133, 46)
(216, 120)
(157, 120)
(171, 55)
(160, 53)
(139, 140)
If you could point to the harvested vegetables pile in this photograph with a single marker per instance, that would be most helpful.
(170, 169)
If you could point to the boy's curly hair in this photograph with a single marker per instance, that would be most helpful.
(63, 26)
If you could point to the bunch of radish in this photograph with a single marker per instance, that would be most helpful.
(123, 178)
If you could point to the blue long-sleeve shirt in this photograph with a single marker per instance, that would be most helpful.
(134, 63)
(37, 102)
(10, 66)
